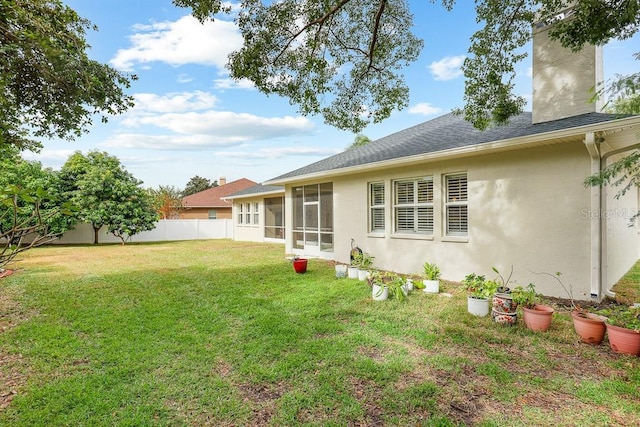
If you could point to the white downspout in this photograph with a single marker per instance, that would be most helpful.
(597, 247)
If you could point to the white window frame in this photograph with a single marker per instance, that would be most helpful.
(256, 213)
(377, 207)
(415, 207)
(240, 213)
(247, 213)
(457, 200)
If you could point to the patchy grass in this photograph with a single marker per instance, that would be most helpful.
(225, 333)
(628, 288)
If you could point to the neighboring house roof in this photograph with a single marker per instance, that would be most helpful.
(447, 133)
(256, 190)
(214, 197)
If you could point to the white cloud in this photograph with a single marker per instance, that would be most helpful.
(184, 78)
(425, 108)
(49, 156)
(277, 153)
(233, 84)
(172, 142)
(174, 102)
(185, 41)
(447, 68)
(226, 123)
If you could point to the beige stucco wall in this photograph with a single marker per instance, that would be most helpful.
(524, 210)
(251, 232)
(203, 213)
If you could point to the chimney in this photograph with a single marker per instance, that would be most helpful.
(563, 81)
(222, 180)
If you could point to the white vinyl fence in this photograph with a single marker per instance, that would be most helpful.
(166, 229)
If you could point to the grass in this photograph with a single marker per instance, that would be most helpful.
(224, 333)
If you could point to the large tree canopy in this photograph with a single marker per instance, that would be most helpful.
(106, 194)
(48, 85)
(344, 59)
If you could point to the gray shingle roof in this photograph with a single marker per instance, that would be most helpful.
(443, 133)
(257, 189)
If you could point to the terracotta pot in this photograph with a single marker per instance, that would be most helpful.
(300, 265)
(623, 340)
(538, 318)
(589, 326)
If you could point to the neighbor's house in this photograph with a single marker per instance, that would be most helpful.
(259, 214)
(210, 203)
(514, 195)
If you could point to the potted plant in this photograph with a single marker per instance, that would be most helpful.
(396, 286)
(365, 262)
(623, 329)
(431, 278)
(589, 326)
(352, 269)
(299, 264)
(379, 289)
(341, 270)
(503, 308)
(480, 290)
(536, 316)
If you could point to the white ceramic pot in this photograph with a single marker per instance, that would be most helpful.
(431, 286)
(379, 293)
(478, 306)
(352, 272)
(341, 271)
(363, 274)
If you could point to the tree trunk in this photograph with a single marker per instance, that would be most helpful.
(95, 234)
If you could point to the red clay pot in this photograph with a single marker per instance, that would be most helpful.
(538, 318)
(589, 326)
(623, 340)
(300, 265)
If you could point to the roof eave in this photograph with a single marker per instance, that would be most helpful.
(253, 195)
(539, 139)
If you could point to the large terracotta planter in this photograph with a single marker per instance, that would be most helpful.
(623, 340)
(538, 318)
(589, 326)
(300, 265)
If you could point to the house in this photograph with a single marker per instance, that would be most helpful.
(468, 200)
(259, 214)
(210, 203)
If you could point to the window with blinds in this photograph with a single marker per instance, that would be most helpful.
(376, 207)
(240, 213)
(456, 205)
(413, 206)
(256, 213)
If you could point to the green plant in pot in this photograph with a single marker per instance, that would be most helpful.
(623, 329)
(431, 278)
(479, 291)
(536, 316)
(387, 284)
(364, 262)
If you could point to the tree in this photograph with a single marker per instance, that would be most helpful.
(359, 141)
(344, 59)
(167, 200)
(31, 210)
(197, 184)
(107, 195)
(49, 87)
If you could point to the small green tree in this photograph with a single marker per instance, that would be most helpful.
(167, 200)
(107, 195)
(197, 184)
(23, 223)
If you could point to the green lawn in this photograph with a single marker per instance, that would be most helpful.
(223, 333)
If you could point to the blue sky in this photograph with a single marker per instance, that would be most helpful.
(191, 119)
